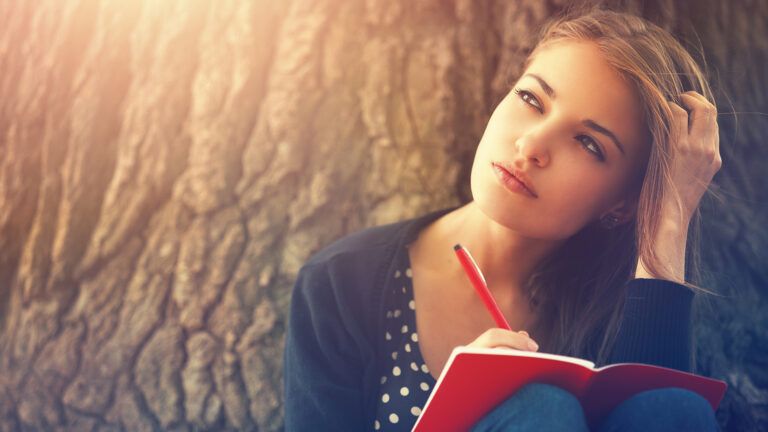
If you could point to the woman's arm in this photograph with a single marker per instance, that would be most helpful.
(322, 366)
(695, 159)
(670, 248)
(656, 325)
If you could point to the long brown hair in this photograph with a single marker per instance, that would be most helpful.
(580, 289)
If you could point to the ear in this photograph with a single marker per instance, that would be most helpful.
(624, 210)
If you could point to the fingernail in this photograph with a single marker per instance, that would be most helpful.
(533, 346)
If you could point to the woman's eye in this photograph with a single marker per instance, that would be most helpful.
(529, 98)
(587, 142)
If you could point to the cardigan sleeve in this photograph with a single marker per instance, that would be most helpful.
(655, 328)
(323, 370)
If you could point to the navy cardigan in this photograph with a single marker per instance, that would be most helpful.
(332, 357)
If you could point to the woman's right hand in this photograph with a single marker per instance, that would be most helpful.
(501, 338)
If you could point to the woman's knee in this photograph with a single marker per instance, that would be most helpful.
(668, 408)
(536, 406)
(547, 396)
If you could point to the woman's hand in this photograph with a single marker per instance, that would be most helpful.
(695, 156)
(695, 149)
(501, 338)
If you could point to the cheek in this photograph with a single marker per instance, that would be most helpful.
(477, 178)
(488, 149)
(574, 206)
(497, 143)
(576, 199)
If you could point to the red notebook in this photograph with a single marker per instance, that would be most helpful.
(475, 380)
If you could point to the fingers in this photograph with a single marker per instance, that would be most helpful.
(680, 126)
(500, 338)
(696, 128)
(703, 114)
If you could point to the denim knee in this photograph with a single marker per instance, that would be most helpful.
(536, 406)
(666, 409)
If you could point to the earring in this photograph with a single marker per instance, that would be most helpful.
(609, 221)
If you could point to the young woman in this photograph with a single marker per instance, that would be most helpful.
(584, 185)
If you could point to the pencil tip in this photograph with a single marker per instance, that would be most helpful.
(456, 247)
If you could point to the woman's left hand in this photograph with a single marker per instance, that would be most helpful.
(695, 147)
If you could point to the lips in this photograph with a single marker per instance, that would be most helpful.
(518, 175)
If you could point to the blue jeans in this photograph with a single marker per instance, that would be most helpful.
(544, 407)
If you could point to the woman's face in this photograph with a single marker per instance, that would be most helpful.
(573, 126)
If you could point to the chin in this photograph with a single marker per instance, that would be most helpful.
(521, 217)
(501, 214)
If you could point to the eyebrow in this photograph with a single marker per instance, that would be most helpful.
(588, 122)
(592, 125)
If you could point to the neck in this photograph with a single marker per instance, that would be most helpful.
(506, 258)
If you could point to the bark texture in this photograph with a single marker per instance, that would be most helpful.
(167, 166)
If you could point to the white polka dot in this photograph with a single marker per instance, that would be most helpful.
(412, 305)
(404, 391)
(385, 398)
(424, 368)
(396, 371)
(415, 411)
(408, 347)
(397, 273)
(377, 425)
(389, 314)
(424, 386)
(404, 329)
(394, 355)
(397, 313)
(408, 272)
(383, 379)
(403, 290)
(388, 336)
(414, 366)
(393, 418)
(414, 337)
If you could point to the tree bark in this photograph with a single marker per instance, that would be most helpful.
(166, 168)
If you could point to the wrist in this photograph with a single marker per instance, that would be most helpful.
(674, 219)
(674, 270)
(672, 230)
(669, 247)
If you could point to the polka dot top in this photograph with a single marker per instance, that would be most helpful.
(406, 384)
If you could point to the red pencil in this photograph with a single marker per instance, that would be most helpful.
(478, 281)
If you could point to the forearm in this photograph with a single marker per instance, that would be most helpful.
(670, 248)
(656, 324)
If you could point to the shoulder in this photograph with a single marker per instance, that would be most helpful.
(366, 241)
(351, 271)
(346, 270)
(341, 285)
(372, 242)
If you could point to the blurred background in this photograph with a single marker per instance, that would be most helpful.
(166, 166)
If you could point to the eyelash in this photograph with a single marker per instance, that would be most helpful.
(525, 96)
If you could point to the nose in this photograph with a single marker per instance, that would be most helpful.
(533, 148)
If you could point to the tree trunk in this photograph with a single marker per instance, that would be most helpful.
(167, 166)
